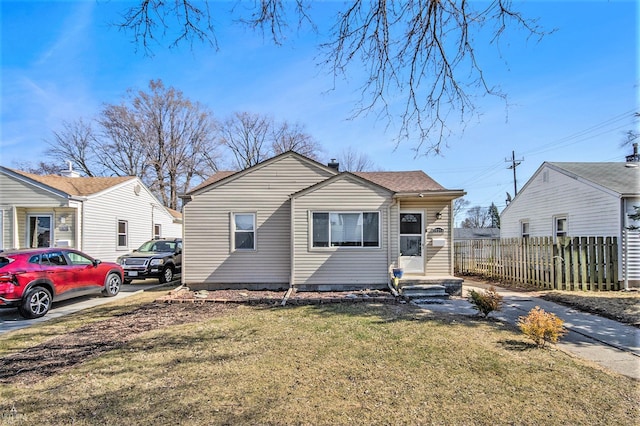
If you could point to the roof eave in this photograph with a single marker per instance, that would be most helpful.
(448, 193)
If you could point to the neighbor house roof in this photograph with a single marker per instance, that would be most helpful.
(623, 178)
(476, 233)
(76, 186)
(219, 175)
(409, 181)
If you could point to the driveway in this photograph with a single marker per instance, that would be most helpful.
(10, 319)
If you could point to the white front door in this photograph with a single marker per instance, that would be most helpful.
(412, 241)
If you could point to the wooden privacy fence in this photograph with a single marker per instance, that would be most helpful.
(570, 263)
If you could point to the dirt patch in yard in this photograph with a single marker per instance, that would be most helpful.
(178, 307)
(62, 352)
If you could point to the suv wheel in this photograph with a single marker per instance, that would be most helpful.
(167, 275)
(36, 303)
(112, 284)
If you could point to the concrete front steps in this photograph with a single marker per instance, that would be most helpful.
(420, 287)
(423, 291)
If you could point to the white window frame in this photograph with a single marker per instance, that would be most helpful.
(523, 233)
(565, 231)
(330, 246)
(157, 230)
(233, 231)
(125, 234)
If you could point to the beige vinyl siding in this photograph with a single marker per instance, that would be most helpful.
(341, 267)
(438, 260)
(265, 191)
(590, 211)
(17, 193)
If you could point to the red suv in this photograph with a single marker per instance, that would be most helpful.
(32, 279)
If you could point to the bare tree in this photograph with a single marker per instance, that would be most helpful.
(42, 168)
(420, 55)
(477, 217)
(459, 205)
(75, 143)
(123, 152)
(175, 134)
(287, 137)
(246, 135)
(157, 135)
(353, 161)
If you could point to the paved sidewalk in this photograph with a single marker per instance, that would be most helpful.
(610, 344)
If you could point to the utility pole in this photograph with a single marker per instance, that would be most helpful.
(514, 163)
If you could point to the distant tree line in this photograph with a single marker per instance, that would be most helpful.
(477, 216)
(172, 143)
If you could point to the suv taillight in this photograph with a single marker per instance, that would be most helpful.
(8, 279)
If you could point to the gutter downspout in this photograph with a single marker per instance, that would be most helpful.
(292, 249)
(625, 243)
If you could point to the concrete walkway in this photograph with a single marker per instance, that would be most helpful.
(10, 319)
(610, 344)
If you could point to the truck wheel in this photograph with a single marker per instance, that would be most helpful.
(167, 275)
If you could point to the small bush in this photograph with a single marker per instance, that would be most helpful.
(487, 301)
(541, 326)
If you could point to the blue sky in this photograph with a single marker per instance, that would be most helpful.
(571, 95)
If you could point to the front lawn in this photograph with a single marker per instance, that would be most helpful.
(194, 364)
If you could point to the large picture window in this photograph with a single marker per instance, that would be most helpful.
(244, 231)
(352, 229)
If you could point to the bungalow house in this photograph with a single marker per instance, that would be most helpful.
(580, 200)
(102, 216)
(292, 222)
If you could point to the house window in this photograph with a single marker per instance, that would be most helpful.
(123, 232)
(40, 229)
(353, 229)
(560, 226)
(524, 229)
(157, 231)
(244, 231)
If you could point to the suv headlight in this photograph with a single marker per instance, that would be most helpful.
(155, 262)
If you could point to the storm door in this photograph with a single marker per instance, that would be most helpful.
(39, 234)
(412, 241)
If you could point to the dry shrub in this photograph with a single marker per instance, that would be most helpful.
(541, 326)
(487, 301)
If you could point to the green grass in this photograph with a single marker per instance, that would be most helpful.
(326, 364)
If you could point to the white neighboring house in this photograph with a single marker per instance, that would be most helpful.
(580, 200)
(102, 216)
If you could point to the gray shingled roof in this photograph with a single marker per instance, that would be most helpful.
(618, 177)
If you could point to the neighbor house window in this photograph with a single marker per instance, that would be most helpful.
(244, 231)
(157, 231)
(353, 229)
(560, 226)
(123, 233)
(524, 229)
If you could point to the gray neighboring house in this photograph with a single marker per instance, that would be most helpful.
(102, 216)
(467, 234)
(580, 200)
(293, 222)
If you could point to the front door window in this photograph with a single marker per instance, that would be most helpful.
(411, 241)
(39, 231)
